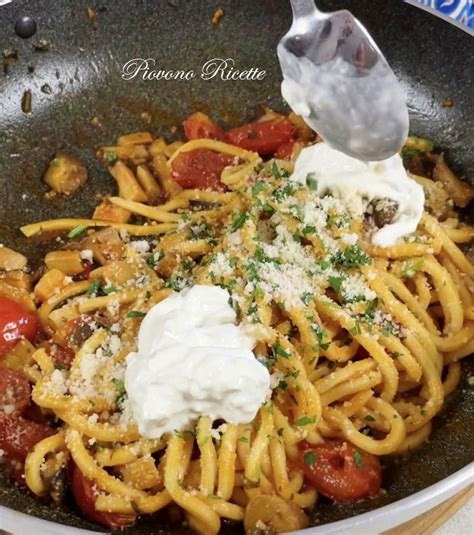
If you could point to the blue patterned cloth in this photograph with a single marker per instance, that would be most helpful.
(460, 10)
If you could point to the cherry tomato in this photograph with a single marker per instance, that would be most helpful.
(15, 392)
(200, 168)
(285, 151)
(340, 471)
(15, 323)
(18, 436)
(199, 126)
(85, 495)
(263, 137)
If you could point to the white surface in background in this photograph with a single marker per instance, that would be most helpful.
(460, 523)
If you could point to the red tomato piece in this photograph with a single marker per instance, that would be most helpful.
(201, 126)
(18, 436)
(340, 471)
(200, 168)
(15, 392)
(85, 496)
(263, 137)
(15, 323)
(285, 151)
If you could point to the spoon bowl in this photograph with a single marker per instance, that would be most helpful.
(336, 77)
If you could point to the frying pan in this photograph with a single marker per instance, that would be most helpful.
(79, 77)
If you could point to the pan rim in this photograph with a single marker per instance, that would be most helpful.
(372, 522)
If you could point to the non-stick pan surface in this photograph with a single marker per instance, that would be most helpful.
(79, 77)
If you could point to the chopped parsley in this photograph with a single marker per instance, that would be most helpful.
(279, 351)
(389, 329)
(357, 459)
(305, 420)
(410, 268)
(309, 458)
(238, 220)
(135, 314)
(351, 257)
(369, 418)
(307, 298)
(311, 181)
(120, 386)
(356, 329)
(94, 287)
(109, 290)
(154, 258)
(176, 283)
(297, 212)
(257, 188)
(335, 283)
(283, 192)
(277, 172)
(308, 229)
(409, 153)
(111, 156)
(320, 335)
(77, 231)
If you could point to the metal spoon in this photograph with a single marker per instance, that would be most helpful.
(335, 76)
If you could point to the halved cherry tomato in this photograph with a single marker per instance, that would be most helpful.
(15, 392)
(85, 496)
(285, 151)
(340, 471)
(199, 126)
(200, 168)
(263, 137)
(18, 436)
(15, 323)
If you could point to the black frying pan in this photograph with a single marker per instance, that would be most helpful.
(79, 77)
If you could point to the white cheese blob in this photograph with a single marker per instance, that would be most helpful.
(361, 182)
(362, 112)
(193, 360)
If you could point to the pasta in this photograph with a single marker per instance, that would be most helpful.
(363, 343)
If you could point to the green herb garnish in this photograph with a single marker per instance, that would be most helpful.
(280, 351)
(357, 459)
(305, 420)
(238, 220)
(135, 314)
(109, 290)
(335, 283)
(311, 181)
(77, 231)
(94, 287)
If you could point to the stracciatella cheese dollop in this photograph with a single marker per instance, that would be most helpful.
(359, 183)
(193, 360)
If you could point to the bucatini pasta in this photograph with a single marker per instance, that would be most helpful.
(362, 342)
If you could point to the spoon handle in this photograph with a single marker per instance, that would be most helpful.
(303, 8)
